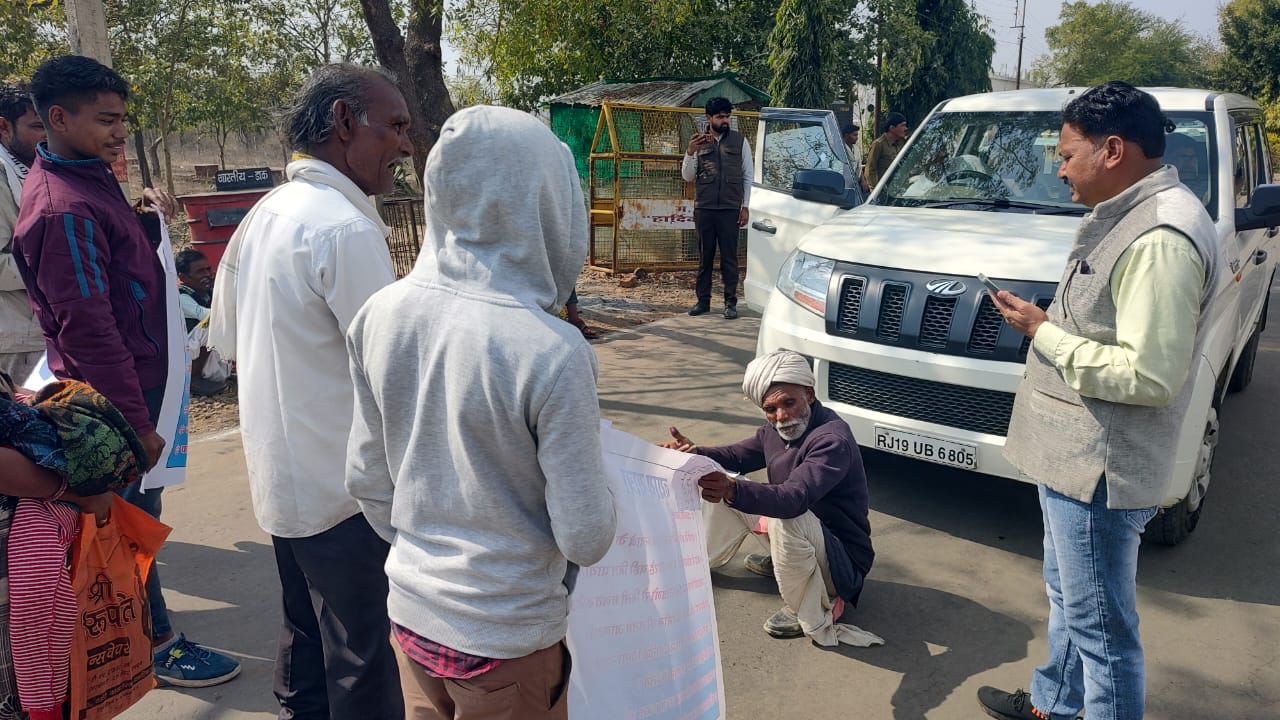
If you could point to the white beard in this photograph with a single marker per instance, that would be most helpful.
(793, 430)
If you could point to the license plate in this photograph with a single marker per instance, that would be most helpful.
(946, 452)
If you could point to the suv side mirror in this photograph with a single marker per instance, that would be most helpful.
(824, 186)
(1263, 210)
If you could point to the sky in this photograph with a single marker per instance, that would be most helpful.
(1198, 16)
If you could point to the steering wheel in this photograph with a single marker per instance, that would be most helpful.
(975, 177)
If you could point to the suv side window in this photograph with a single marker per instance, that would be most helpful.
(793, 146)
(1244, 175)
(1261, 161)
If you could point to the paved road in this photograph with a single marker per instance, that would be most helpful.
(956, 589)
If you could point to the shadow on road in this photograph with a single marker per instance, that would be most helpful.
(936, 640)
(242, 592)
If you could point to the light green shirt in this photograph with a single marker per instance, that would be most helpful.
(1157, 286)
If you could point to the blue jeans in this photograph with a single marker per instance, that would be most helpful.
(1090, 572)
(150, 503)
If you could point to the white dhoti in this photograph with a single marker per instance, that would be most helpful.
(798, 547)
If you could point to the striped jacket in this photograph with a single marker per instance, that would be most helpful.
(95, 281)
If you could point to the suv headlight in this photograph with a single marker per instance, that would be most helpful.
(804, 280)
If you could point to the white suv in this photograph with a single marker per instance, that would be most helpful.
(906, 344)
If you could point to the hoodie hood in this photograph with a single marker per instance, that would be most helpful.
(504, 209)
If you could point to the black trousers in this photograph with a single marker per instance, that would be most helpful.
(717, 229)
(335, 659)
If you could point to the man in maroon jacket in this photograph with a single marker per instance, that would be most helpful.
(98, 290)
(816, 502)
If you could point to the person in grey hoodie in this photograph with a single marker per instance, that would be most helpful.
(475, 447)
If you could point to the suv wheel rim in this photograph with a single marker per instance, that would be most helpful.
(1204, 462)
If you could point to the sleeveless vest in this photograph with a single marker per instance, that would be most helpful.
(719, 178)
(1069, 442)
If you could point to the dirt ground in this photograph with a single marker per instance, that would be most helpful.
(606, 307)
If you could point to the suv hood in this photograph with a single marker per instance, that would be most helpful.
(1003, 245)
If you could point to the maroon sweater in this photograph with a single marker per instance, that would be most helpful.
(95, 282)
(820, 472)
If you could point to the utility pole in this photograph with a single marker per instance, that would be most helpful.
(87, 29)
(1022, 34)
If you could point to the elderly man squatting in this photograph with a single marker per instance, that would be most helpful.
(815, 500)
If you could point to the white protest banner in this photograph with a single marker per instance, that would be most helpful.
(655, 214)
(642, 622)
(172, 423)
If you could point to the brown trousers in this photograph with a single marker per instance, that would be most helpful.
(533, 687)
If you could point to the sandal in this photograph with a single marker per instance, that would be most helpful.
(586, 331)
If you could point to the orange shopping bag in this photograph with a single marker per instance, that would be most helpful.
(111, 661)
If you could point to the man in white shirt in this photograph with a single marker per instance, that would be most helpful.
(719, 160)
(21, 341)
(302, 263)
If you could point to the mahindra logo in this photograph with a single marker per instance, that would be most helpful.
(945, 288)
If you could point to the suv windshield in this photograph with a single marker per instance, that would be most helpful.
(1008, 162)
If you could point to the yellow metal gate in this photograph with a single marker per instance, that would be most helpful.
(641, 209)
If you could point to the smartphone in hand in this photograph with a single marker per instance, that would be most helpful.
(990, 285)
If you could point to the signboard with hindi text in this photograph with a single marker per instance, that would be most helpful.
(655, 214)
(243, 179)
(642, 621)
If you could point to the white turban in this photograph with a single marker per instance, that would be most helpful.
(779, 366)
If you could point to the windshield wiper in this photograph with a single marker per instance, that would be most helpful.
(1000, 203)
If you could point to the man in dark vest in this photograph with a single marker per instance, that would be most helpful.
(1095, 422)
(719, 160)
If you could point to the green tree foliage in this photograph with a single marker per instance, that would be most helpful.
(535, 49)
(29, 32)
(802, 54)
(1250, 60)
(158, 45)
(239, 84)
(1114, 40)
(956, 62)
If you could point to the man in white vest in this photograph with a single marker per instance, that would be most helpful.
(300, 265)
(1096, 417)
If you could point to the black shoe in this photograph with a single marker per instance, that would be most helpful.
(700, 309)
(1007, 706)
(731, 313)
(759, 564)
(784, 624)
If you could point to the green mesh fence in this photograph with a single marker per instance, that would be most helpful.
(646, 167)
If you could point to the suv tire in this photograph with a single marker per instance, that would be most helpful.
(1172, 525)
(1243, 373)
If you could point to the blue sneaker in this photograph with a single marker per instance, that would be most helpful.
(186, 664)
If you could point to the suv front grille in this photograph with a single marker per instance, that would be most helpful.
(986, 328)
(893, 307)
(957, 406)
(893, 302)
(850, 304)
(935, 328)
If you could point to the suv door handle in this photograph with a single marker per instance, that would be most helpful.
(765, 226)
(1259, 257)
